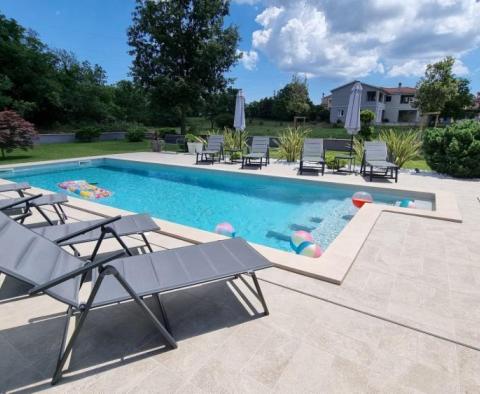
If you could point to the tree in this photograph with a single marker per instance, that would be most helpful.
(292, 100)
(131, 103)
(15, 132)
(220, 103)
(181, 51)
(437, 87)
(262, 108)
(456, 107)
(27, 72)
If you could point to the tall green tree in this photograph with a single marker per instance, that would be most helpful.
(437, 87)
(27, 72)
(292, 100)
(182, 50)
(457, 106)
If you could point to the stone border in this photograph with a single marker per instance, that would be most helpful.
(337, 260)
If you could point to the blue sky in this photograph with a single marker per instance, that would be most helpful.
(280, 37)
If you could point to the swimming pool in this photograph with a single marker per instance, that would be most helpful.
(262, 209)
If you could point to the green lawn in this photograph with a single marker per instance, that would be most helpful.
(75, 149)
(273, 128)
(78, 149)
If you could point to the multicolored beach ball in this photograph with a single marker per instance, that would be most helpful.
(406, 203)
(303, 244)
(225, 229)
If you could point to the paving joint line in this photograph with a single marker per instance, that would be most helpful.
(375, 316)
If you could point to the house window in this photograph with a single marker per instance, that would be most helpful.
(388, 99)
(380, 97)
(406, 98)
(371, 96)
(340, 113)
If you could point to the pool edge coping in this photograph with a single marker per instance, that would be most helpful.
(333, 265)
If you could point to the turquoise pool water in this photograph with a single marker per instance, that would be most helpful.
(262, 209)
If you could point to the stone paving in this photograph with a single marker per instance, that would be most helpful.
(415, 280)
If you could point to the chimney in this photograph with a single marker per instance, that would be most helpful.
(399, 85)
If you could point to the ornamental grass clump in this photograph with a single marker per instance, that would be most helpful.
(291, 143)
(402, 146)
(234, 139)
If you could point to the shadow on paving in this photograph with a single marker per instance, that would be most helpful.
(116, 335)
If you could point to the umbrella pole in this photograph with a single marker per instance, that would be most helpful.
(351, 153)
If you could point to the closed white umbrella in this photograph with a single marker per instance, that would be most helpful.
(239, 119)
(352, 120)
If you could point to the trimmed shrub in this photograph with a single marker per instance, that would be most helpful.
(135, 133)
(88, 134)
(224, 120)
(366, 118)
(166, 130)
(455, 149)
(15, 132)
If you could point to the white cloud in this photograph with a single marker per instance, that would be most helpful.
(249, 59)
(352, 39)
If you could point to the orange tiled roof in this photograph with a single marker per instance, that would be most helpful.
(402, 90)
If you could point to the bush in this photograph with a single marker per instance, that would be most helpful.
(291, 143)
(366, 118)
(403, 146)
(224, 120)
(135, 133)
(194, 138)
(455, 149)
(88, 134)
(15, 132)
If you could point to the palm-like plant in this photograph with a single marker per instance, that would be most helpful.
(234, 139)
(402, 145)
(291, 143)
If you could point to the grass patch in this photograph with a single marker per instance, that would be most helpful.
(74, 149)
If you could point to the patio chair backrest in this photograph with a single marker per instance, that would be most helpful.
(33, 259)
(313, 147)
(215, 142)
(376, 151)
(260, 144)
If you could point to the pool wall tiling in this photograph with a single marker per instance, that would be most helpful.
(332, 266)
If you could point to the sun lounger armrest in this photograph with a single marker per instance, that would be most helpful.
(72, 274)
(103, 223)
(20, 201)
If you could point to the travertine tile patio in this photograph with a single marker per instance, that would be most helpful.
(414, 279)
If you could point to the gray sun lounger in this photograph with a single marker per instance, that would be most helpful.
(259, 151)
(31, 258)
(376, 156)
(72, 234)
(15, 187)
(25, 204)
(313, 155)
(213, 151)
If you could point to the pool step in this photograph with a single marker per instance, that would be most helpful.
(6, 171)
